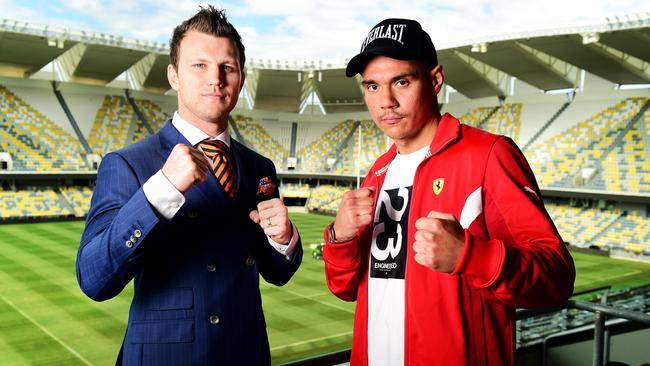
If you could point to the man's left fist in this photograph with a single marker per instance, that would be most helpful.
(272, 217)
(439, 241)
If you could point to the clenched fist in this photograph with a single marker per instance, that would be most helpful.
(272, 216)
(439, 241)
(355, 211)
(185, 167)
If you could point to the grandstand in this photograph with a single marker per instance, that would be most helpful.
(578, 111)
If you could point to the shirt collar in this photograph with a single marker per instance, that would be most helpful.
(193, 134)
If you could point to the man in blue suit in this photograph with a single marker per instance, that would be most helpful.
(194, 230)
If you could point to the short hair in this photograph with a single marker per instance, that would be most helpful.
(208, 20)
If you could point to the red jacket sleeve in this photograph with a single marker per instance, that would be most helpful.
(524, 263)
(342, 267)
(343, 261)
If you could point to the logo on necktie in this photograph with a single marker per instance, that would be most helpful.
(438, 185)
(222, 168)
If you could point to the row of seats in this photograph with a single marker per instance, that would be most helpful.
(605, 229)
(154, 116)
(326, 198)
(78, 198)
(558, 160)
(31, 202)
(506, 120)
(33, 140)
(260, 140)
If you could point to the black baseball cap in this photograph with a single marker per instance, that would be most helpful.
(401, 39)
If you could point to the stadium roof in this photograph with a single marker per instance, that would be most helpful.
(617, 51)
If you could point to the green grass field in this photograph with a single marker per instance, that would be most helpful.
(46, 320)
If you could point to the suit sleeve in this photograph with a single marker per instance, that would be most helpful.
(525, 263)
(274, 266)
(119, 220)
(343, 263)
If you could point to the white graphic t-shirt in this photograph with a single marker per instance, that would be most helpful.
(388, 262)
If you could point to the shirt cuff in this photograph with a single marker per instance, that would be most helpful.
(163, 196)
(286, 249)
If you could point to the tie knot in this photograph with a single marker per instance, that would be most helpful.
(213, 147)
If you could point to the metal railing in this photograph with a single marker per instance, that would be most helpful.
(601, 339)
(601, 342)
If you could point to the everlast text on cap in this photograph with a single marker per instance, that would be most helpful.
(401, 39)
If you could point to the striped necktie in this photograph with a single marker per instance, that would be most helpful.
(222, 167)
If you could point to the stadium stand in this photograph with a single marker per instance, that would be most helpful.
(558, 160)
(34, 141)
(258, 139)
(579, 226)
(78, 198)
(373, 144)
(313, 157)
(114, 125)
(35, 202)
(154, 116)
(326, 198)
(630, 233)
(294, 190)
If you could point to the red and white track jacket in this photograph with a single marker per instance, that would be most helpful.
(513, 255)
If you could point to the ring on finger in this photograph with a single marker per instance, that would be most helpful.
(268, 222)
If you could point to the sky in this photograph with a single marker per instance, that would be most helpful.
(321, 29)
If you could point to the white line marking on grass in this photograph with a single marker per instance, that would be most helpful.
(46, 331)
(626, 274)
(310, 298)
(310, 340)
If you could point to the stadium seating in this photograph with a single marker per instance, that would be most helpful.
(295, 190)
(257, 138)
(78, 198)
(579, 226)
(34, 141)
(373, 144)
(112, 125)
(313, 157)
(31, 202)
(154, 116)
(506, 120)
(326, 198)
(558, 160)
(630, 233)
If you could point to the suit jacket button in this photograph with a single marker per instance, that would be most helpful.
(192, 214)
(137, 233)
(212, 267)
(214, 319)
(250, 261)
(133, 239)
(129, 244)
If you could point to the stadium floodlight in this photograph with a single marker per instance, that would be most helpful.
(633, 86)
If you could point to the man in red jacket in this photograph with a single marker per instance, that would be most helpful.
(448, 233)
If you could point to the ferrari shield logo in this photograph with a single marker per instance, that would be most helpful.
(438, 184)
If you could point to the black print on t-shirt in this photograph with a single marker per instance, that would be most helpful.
(388, 256)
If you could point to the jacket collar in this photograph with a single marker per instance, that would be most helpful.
(447, 133)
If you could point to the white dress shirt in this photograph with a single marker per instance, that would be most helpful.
(167, 200)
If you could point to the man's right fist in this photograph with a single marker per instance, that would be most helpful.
(355, 211)
(185, 167)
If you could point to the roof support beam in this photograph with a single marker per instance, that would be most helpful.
(564, 69)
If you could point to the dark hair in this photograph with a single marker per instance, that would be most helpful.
(208, 20)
